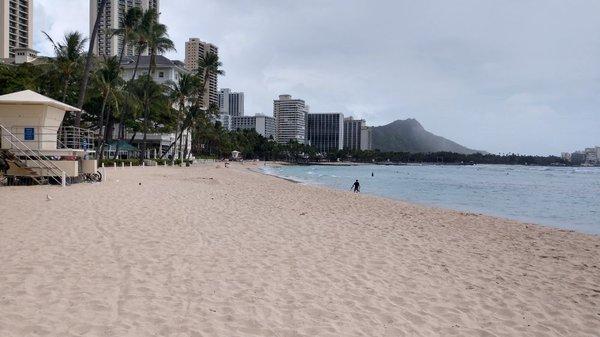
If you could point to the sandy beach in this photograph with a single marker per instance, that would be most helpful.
(207, 251)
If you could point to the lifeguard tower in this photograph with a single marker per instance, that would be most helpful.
(34, 148)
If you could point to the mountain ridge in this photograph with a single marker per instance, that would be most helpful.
(409, 135)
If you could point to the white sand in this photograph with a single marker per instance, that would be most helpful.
(244, 254)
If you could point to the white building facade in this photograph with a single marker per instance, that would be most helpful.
(166, 70)
(357, 135)
(291, 117)
(263, 125)
(366, 138)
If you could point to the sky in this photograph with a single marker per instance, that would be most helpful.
(505, 76)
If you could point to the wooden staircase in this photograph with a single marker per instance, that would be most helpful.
(18, 170)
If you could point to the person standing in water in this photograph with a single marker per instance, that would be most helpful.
(356, 186)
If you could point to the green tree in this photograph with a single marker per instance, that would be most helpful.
(208, 65)
(129, 29)
(68, 60)
(111, 86)
(153, 101)
(142, 31)
(181, 93)
(157, 39)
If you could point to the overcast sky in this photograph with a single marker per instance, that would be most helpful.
(498, 75)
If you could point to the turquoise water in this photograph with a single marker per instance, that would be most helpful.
(562, 197)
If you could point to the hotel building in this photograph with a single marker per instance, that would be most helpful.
(326, 131)
(352, 133)
(357, 135)
(114, 12)
(194, 49)
(290, 119)
(231, 103)
(16, 27)
(366, 138)
(263, 125)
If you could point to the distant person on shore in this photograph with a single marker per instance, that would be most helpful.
(356, 186)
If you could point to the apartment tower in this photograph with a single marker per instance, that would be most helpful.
(290, 119)
(353, 129)
(194, 49)
(16, 26)
(366, 138)
(231, 103)
(107, 45)
(326, 131)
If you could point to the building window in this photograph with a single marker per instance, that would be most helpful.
(161, 74)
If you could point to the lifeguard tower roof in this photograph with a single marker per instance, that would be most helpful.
(28, 97)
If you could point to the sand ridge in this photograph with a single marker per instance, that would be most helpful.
(208, 251)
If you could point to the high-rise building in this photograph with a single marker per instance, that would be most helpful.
(366, 138)
(326, 131)
(16, 26)
(194, 49)
(290, 119)
(263, 125)
(231, 103)
(353, 133)
(114, 12)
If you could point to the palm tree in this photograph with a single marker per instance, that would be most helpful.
(88, 61)
(141, 32)
(144, 32)
(129, 29)
(110, 84)
(128, 113)
(157, 40)
(68, 58)
(181, 93)
(208, 66)
(152, 99)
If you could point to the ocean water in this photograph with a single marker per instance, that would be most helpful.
(563, 197)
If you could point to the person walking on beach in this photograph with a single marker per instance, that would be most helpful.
(356, 186)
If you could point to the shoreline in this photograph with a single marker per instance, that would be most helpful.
(432, 206)
(425, 164)
(209, 251)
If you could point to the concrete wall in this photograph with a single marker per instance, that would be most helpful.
(70, 167)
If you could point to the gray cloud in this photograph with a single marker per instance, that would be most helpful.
(504, 76)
